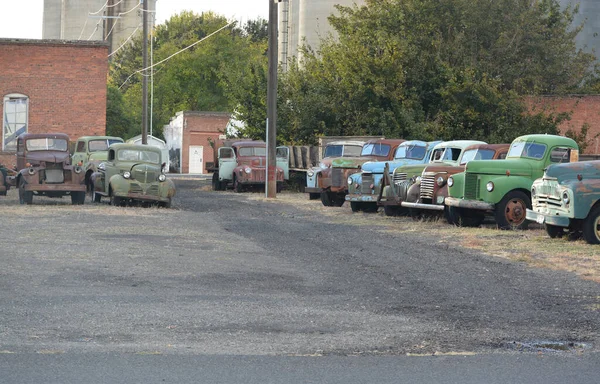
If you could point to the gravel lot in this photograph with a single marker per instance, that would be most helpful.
(224, 273)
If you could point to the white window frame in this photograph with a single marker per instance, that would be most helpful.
(5, 122)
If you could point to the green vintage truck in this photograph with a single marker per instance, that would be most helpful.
(90, 151)
(132, 173)
(567, 200)
(502, 187)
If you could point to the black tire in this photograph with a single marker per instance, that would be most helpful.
(166, 204)
(116, 201)
(370, 207)
(393, 210)
(96, 197)
(337, 200)
(217, 185)
(554, 231)
(511, 211)
(25, 197)
(326, 199)
(314, 196)
(237, 187)
(77, 198)
(591, 226)
(355, 206)
(462, 217)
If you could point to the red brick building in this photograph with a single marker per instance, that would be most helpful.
(51, 86)
(583, 109)
(189, 136)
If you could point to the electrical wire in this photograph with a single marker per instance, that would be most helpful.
(125, 42)
(176, 53)
(100, 10)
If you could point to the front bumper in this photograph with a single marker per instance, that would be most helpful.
(543, 218)
(312, 190)
(469, 204)
(141, 197)
(55, 187)
(362, 198)
(431, 207)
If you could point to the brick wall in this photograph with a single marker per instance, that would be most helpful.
(199, 128)
(64, 80)
(584, 109)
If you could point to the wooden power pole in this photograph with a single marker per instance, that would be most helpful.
(144, 77)
(271, 179)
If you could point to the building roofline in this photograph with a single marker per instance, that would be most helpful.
(50, 42)
(205, 113)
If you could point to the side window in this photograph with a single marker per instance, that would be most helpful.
(80, 146)
(111, 155)
(560, 155)
(15, 120)
(226, 153)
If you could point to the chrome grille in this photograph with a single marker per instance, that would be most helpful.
(471, 186)
(427, 186)
(337, 175)
(367, 179)
(399, 177)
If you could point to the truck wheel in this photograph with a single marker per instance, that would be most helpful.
(166, 204)
(393, 210)
(237, 186)
(326, 199)
(355, 206)
(591, 226)
(25, 197)
(511, 211)
(96, 197)
(216, 183)
(554, 231)
(314, 196)
(464, 217)
(116, 201)
(370, 207)
(77, 198)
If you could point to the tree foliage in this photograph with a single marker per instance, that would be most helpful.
(429, 69)
(201, 78)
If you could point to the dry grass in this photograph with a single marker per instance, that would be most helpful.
(532, 246)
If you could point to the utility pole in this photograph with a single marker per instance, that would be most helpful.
(271, 179)
(144, 77)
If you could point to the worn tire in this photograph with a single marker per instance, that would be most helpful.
(554, 231)
(392, 210)
(25, 197)
(370, 207)
(314, 196)
(166, 204)
(116, 201)
(237, 187)
(325, 199)
(591, 226)
(96, 197)
(355, 206)
(77, 198)
(217, 185)
(511, 211)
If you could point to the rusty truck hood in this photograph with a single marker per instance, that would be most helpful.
(252, 161)
(569, 171)
(47, 156)
(351, 162)
(441, 168)
(500, 167)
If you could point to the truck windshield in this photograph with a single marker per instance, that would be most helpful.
(252, 151)
(101, 145)
(137, 155)
(415, 152)
(46, 144)
(375, 150)
(334, 151)
(477, 154)
(528, 150)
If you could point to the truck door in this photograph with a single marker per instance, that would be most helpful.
(283, 160)
(227, 163)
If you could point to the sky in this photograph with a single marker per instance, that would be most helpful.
(23, 18)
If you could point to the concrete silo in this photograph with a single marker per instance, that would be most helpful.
(589, 15)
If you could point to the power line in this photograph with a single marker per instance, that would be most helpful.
(176, 53)
(125, 42)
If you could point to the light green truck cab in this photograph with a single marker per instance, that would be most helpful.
(502, 187)
(90, 151)
(132, 173)
(567, 200)
(395, 189)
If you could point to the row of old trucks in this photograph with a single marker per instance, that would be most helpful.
(536, 178)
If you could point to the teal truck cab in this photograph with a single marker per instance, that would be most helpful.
(502, 187)
(567, 199)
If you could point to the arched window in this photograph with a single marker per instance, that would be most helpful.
(15, 120)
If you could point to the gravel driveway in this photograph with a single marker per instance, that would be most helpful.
(226, 273)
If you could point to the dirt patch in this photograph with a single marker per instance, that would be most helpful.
(532, 246)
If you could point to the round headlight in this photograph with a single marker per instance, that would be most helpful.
(323, 166)
(77, 169)
(450, 181)
(349, 181)
(310, 173)
(162, 177)
(566, 198)
(127, 174)
(31, 171)
(248, 170)
(418, 179)
(489, 186)
(440, 181)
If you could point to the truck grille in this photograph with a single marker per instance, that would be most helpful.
(55, 176)
(471, 186)
(337, 174)
(548, 194)
(427, 186)
(367, 179)
(399, 177)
